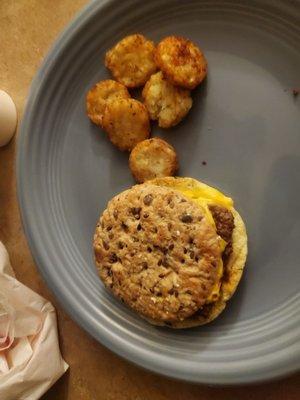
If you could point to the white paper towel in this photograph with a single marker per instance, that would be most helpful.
(30, 359)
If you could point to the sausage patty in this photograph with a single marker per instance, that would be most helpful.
(225, 224)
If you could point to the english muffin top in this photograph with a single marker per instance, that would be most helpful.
(157, 252)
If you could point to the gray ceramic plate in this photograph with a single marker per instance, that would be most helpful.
(244, 124)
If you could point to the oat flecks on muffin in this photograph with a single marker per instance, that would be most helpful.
(126, 122)
(181, 61)
(153, 158)
(156, 251)
(100, 95)
(165, 102)
(131, 61)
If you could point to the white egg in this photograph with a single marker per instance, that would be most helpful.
(8, 118)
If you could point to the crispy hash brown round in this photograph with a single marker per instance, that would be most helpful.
(152, 158)
(165, 102)
(155, 250)
(100, 94)
(126, 122)
(181, 61)
(131, 61)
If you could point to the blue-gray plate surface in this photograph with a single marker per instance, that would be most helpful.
(245, 123)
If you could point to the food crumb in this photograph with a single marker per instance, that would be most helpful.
(296, 92)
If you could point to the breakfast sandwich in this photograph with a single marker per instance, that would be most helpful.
(172, 249)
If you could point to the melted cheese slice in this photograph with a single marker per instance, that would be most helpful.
(205, 195)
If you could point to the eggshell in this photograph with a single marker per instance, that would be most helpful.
(8, 118)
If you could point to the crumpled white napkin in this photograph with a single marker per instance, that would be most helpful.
(30, 359)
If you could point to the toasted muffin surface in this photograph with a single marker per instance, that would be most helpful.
(234, 270)
(153, 158)
(181, 61)
(126, 122)
(230, 227)
(156, 251)
(100, 95)
(131, 60)
(166, 103)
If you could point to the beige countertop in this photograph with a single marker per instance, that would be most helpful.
(27, 30)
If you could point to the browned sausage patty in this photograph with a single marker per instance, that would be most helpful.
(225, 224)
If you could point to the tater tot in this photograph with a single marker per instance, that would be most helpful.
(165, 102)
(131, 61)
(153, 158)
(100, 95)
(126, 122)
(181, 61)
